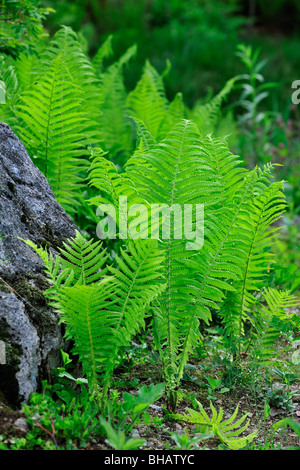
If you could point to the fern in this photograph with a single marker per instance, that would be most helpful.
(181, 170)
(258, 232)
(271, 320)
(9, 90)
(102, 315)
(176, 112)
(54, 129)
(80, 262)
(112, 186)
(175, 163)
(186, 168)
(170, 173)
(228, 431)
(206, 115)
(103, 318)
(240, 206)
(104, 51)
(26, 69)
(116, 130)
(66, 45)
(85, 258)
(147, 102)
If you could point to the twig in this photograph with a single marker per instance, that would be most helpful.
(52, 435)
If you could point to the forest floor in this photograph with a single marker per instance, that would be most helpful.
(157, 434)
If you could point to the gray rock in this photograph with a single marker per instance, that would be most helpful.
(30, 336)
(21, 424)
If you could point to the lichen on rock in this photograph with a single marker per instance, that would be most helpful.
(29, 329)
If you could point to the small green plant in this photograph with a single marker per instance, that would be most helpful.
(186, 442)
(294, 425)
(226, 430)
(21, 26)
(281, 398)
(254, 122)
(69, 423)
(125, 413)
(117, 439)
(213, 385)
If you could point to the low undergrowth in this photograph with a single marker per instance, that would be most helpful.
(64, 416)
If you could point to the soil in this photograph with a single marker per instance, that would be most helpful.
(157, 436)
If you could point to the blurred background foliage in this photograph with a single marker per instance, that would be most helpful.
(196, 45)
(198, 37)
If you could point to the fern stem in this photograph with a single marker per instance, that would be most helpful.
(169, 336)
(93, 361)
(207, 273)
(246, 278)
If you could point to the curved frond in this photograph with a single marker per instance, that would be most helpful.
(206, 115)
(259, 228)
(228, 431)
(116, 130)
(54, 129)
(103, 318)
(147, 102)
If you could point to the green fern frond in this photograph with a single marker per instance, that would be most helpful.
(144, 140)
(102, 311)
(270, 321)
(259, 228)
(228, 168)
(65, 44)
(80, 262)
(116, 131)
(176, 112)
(228, 431)
(103, 317)
(279, 302)
(148, 105)
(114, 189)
(174, 172)
(206, 115)
(104, 51)
(147, 102)
(57, 277)
(26, 69)
(84, 310)
(54, 129)
(85, 258)
(188, 169)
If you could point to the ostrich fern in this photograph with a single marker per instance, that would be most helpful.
(66, 45)
(206, 115)
(273, 315)
(258, 232)
(148, 103)
(187, 168)
(102, 311)
(174, 164)
(116, 129)
(228, 430)
(54, 129)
